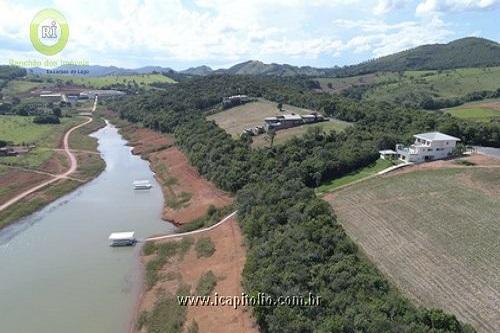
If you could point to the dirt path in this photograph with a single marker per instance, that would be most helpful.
(41, 172)
(194, 232)
(72, 168)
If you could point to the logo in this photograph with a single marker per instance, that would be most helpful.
(49, 32)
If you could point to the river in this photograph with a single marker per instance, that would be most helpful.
(57, 272)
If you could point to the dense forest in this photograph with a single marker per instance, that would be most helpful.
(295, 246)
(8, 73)
(164, 110)
(11, 72)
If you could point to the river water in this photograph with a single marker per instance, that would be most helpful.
(57, 272)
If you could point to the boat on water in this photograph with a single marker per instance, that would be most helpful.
(122, 239)
(142, 185)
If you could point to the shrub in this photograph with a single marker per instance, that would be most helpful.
(184, 245)
(167, 250)
(193, 328)
(152, 268)
(167, 316)
(205, 247)
(206, 284)
(149, 248)
(141, 320)
(46, 120)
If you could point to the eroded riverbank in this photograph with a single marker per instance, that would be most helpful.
(62, 275)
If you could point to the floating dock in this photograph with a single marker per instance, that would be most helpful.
(142, 185)
(122, 239)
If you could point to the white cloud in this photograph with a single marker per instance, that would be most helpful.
(172, 30)
(432, 6)
(386, 6)
(380, 38)
(135, 32)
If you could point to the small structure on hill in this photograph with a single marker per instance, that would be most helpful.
(427, 147)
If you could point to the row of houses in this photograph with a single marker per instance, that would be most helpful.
(427, 147)
(291, 120)
(73, 96)
(284, 121)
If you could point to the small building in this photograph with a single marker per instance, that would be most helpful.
(283, 121)
(52, 97)
(235, 100)
(254, 130)
(15, 151)
(388, 154)
(91, 94)
(427, 147)
(122, 239)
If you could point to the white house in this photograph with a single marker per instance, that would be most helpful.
(427, 147)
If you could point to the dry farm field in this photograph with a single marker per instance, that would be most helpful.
(435, 234)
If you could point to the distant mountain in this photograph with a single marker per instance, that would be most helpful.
(200, 70)
(254, 67)
(97, 70)
(465, 52)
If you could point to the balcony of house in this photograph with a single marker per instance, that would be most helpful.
(408, 154)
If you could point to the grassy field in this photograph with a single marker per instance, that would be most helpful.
(16, 87)
(435, 234)
(19, 130)
(478, 111)
(103, 81)
(372, 169)
(236, 119)
(415, 85)
(335, 85)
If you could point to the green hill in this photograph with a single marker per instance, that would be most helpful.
(465, 52)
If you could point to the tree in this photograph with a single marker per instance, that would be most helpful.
(57, 112)
(458, 150)
(270, 135)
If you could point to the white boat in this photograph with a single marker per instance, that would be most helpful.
(142, 185)
(122, 239)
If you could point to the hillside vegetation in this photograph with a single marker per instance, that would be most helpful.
(277, 208)
(465, 52)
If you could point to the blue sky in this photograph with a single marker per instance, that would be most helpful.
(220, 33)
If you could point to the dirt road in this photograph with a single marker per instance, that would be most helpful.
(72, 168)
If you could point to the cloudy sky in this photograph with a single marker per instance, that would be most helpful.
(219, 33)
